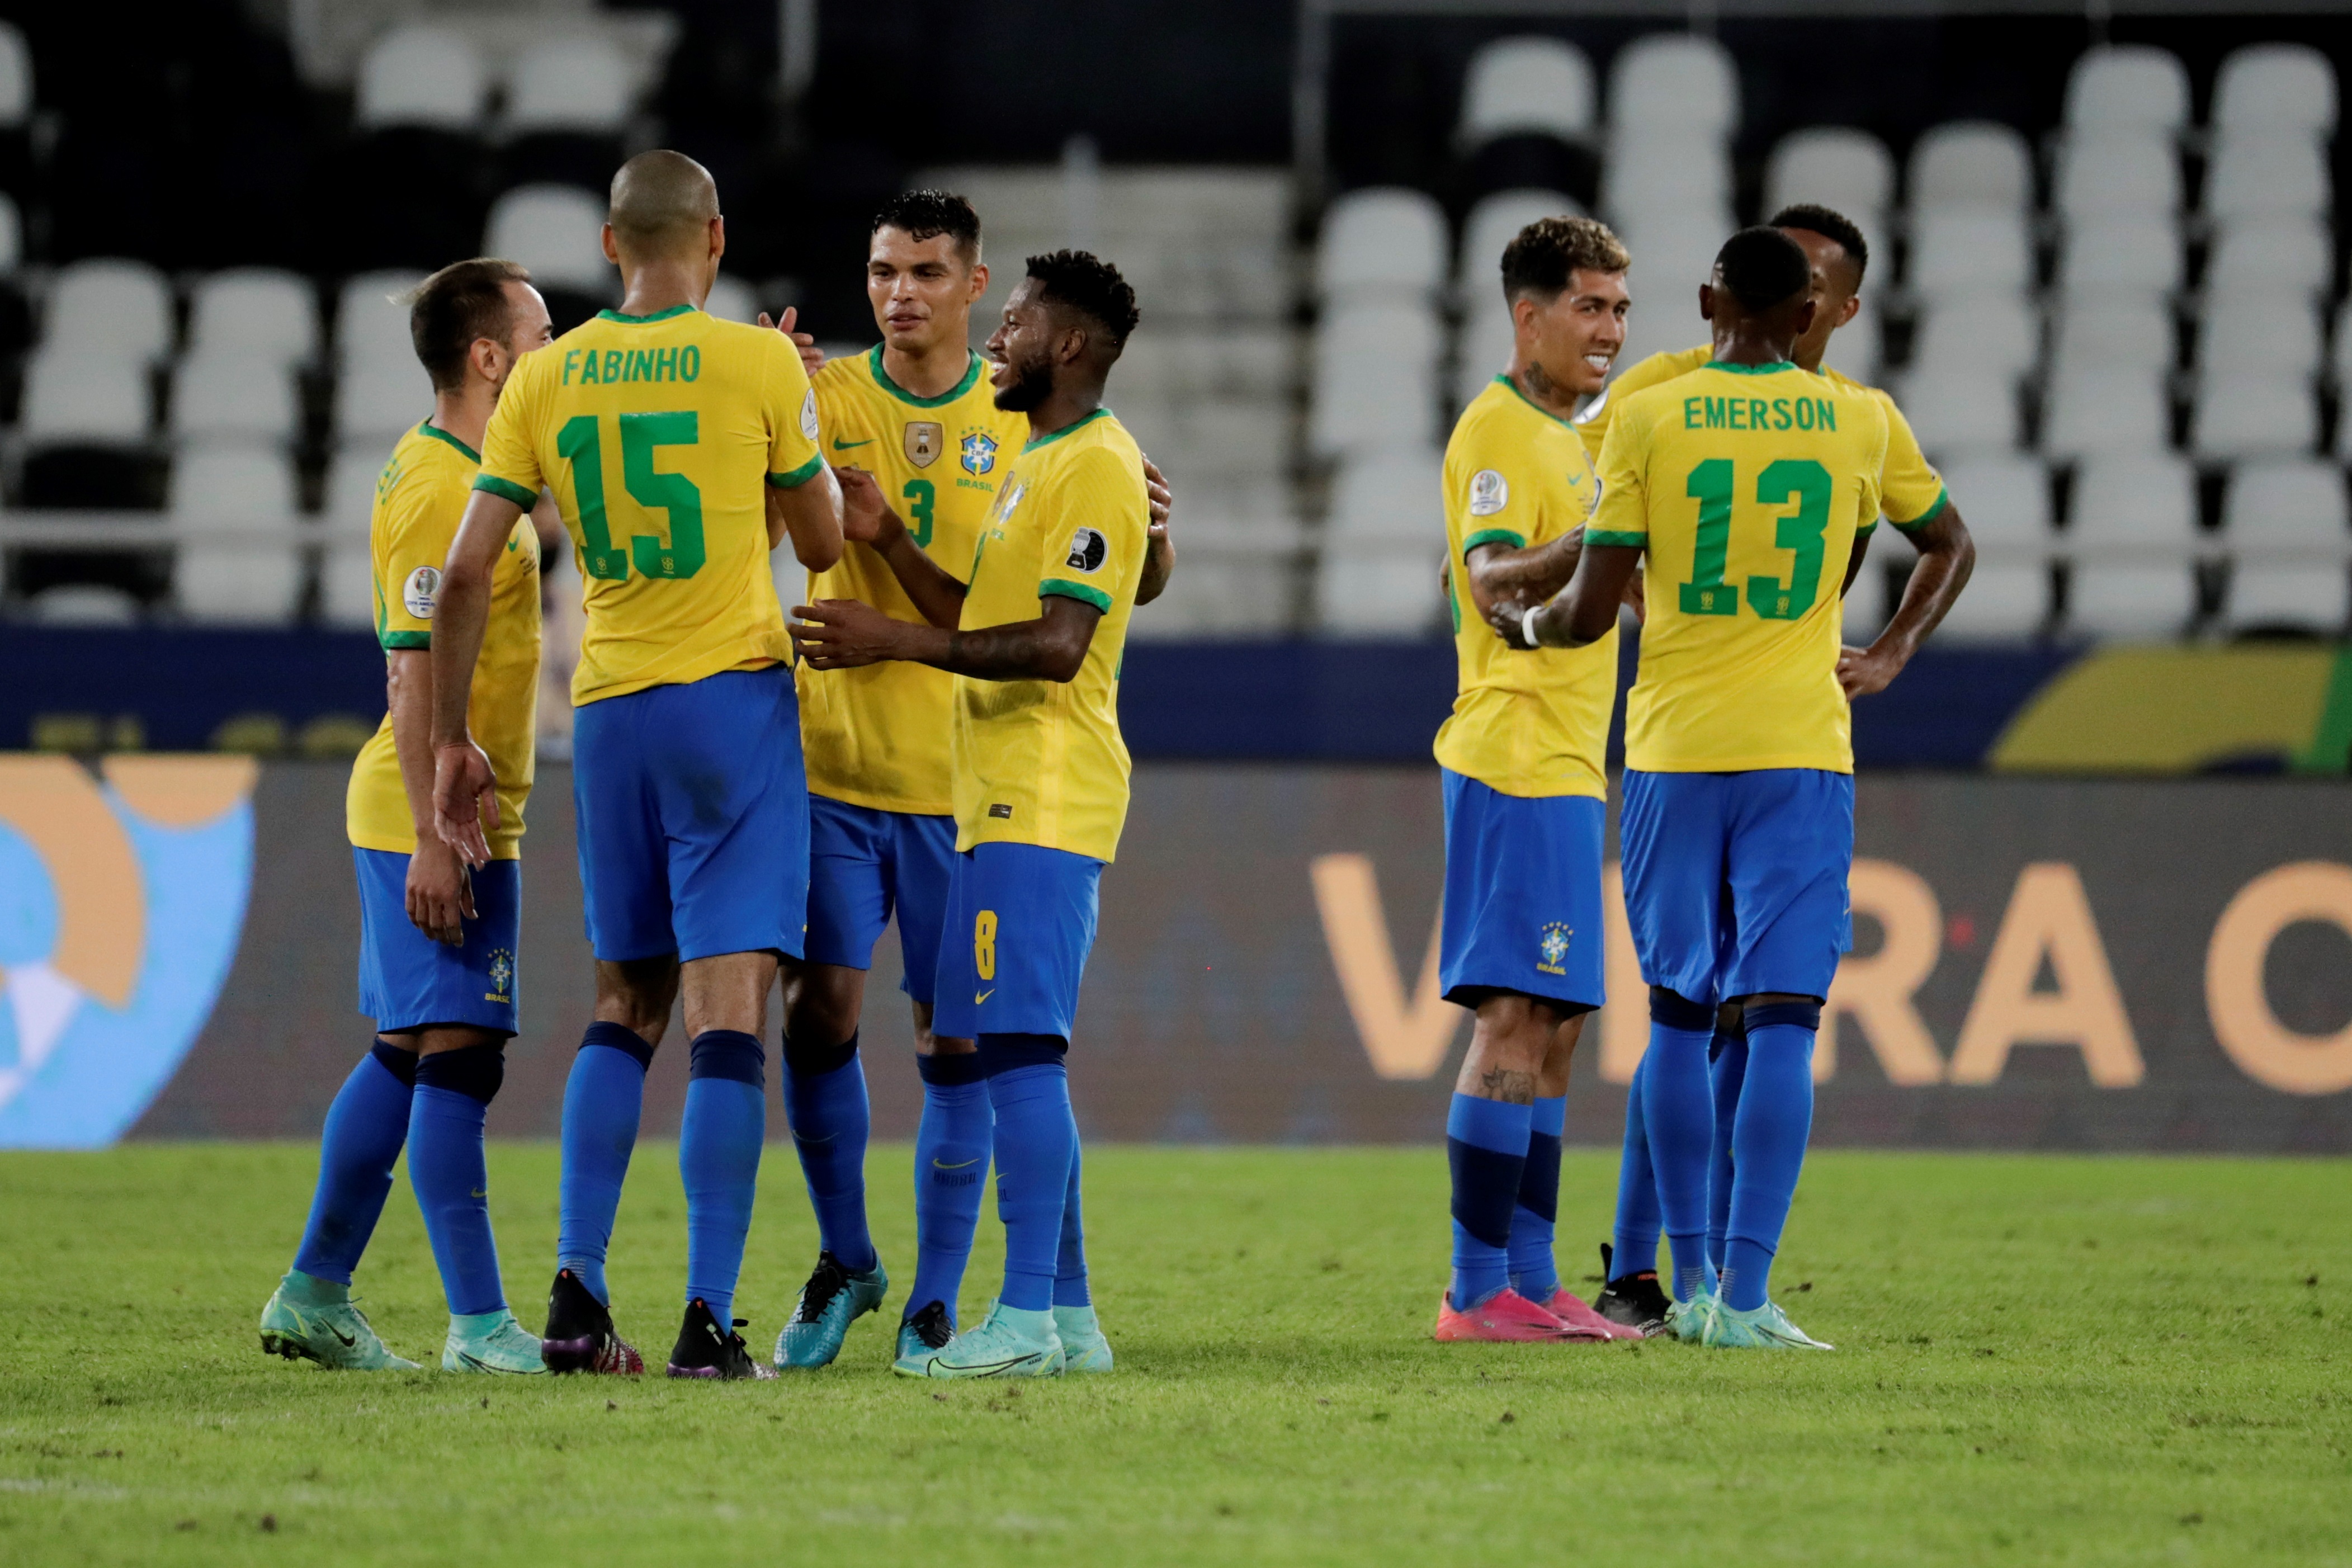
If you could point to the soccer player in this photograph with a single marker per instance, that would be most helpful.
(916, 414)
(1739, 490)
(1040, 773)
(1523, 757)
(1922, 511)
(681, 449)
(437, 942)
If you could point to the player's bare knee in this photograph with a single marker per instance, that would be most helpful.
(637, 994)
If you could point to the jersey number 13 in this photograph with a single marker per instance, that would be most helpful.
(1712, 484)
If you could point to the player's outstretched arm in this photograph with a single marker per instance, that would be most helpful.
(1581, 614)
(1159, 555)
(465, 788)
(811, 512)
(1946, 558)
(843, 633)
(440, 896)
(867, 518)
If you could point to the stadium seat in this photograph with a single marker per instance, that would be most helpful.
(1516, 85)
(1971, 163)
(82, 604)
(733, 299)
(2006, 600)
(371, 325)
(1849, 170)
(1386, 240)
(2285, 524)
(557, 231)
(112, 309)
(1374, 380)
(2256, 173)
(2117, 173)
(1492, 225)
(2253, 331)
(2101, 408)
(2133, 542)
(2106, 331)
(1857, 348)
(350, 494)
(1969, 250)
(2006, 501)
(75, 397)
(1484, 351)
(1680, 81)
(347, 585)
(225, 394)
(1384, 540)
(2128, 86)
(1987, 334)
(421, 76)
(256, 310)
(2271, 253)
(1959, 413)
(1247, 363)
(1388, 497)
(581, 83)
(2254, 412)
(1243, 545)
(237, 492)
(1663, 171)
(1674, 253)
(2108, 253)
(2275, 86)
(1219, 437)
(377, 400)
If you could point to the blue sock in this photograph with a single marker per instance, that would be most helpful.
(825, 1102)
(1535, 1274)
(1486, 1147)
(719, 1157)
(1725, 1075)
(1767, 1144)
(602, 1103)
(1070, 1287)
(1037, 1142)
(951, 1146)
(357, 1148)
(1638, 1223)
(1678, 1108)
(454, 1089)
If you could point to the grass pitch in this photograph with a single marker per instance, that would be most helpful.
(2040, 1360)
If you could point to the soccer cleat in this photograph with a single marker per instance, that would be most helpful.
(1505, 1317)
(1010, 1343)
(580, 1334)
(1084, 1349)
(1583, 1321)
(832, 1299)
(1634, 1300)
(1764, 1328)
(491, 1342)
(1688, 1321)
(312, 1319)
(706, 1350)
(919, 1335)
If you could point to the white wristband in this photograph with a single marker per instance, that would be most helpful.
(1528, 625)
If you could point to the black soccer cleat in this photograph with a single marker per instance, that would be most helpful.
(580, 1335)
(706, 1350)
(1636, 1300)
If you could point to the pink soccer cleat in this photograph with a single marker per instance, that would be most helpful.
(1583, 1323)
(1505, 1317)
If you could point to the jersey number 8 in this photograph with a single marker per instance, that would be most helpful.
(581, 442)
(983, 944)
(1800, 479)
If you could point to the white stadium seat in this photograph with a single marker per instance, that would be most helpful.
(556, 231)
(2254, 412)
(73, 396)
(2253, 332)
(1970, 251)
(1971, 163)
(2109, 253)
(1384, 542)
(1674, 79)
(352, 473)
(2118, 172)
(346, 575)
(1224, 438)
(2258, 174)
(240, 490)
(1242, 549)
(1517, 86)
(2006, 501)
(1387, 238)
(1374, 380)
(370, 324)
(347, 583)
(2282, 253)
(1391, 498)
(2128, 86)
(1654, 174)
(257, 310)
(111, 308)
(2276, 87)
(16, 77)
(1492, 225)
(2133, 542)
(731, 300)
(2101, 408)
(2285, 524)
(2005, 600)
(83, 604)
(1484, 351)
(581, 83)
(1851, 171)
(1959, 413)
(2111, 330)
(1987, 334)
(1251, 363)
(422, 76)
(377, 400)
(221, 393)
(1674, 253)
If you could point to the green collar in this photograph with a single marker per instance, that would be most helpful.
(640, 321)
(436, 433)
(1503, 378)
(1102, 412)
(882, 379)
(1776, 366)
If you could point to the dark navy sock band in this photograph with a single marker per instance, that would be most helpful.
(1679, 1012)
(815, 1061)
(1802, 1015)
(400, 1064)
(474, 1071)
(621, 1037)
(729, 1054)
(1004, 1052)
(947, 1070)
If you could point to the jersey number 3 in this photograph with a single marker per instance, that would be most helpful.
(1800, 479)
(581, 442)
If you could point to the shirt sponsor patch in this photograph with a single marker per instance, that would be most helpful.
(1489, 493)
(1088, 550)
(420, 592)
(808, 414)
(1002, 813)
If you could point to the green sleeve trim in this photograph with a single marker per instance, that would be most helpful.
(1943, 499)
(1055, 586)
(1867, 528)
(1492, 536)
(1602, 537)
(392, 640)
(506, 489)
(799, 475)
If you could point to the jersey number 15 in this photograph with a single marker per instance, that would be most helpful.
(1800, 479)
(581, 442)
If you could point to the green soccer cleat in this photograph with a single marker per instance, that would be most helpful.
(309, 1318)
(1084, 1349)
(1764, 1328)
(1688, 1321)
(1011, 1343)
(493, 1343)
(832, 1299)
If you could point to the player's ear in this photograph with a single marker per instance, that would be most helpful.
(612, 248)
(1707, 301)
(718, 238)
(1852, 308)
(979, 281)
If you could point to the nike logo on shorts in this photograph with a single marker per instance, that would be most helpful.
(983, 996)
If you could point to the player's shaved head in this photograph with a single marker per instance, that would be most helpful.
(663, 202)
(1831, 225)
(1763, 268)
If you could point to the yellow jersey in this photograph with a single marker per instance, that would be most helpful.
(1041, 762)
(1911, 490)
(1746, 485)
(419, 498)
(659, 435)
(1523, 724)
(879, 737)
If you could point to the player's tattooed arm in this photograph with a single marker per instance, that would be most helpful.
(867, 519)
(1160, 554)
(1580, 614)
(1529, 575)
(1946, 558)
(843, 634)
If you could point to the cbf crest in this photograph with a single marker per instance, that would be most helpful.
(925, 440)
(979, 451)
(502, 969)
(1551, 948)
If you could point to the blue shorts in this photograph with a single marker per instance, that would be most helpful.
(1735, 883)
(863, 864)
(1020, 922)
(408, 981)
(693, 817)
(1522, 910)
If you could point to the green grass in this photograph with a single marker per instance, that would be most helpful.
(2040, 1360)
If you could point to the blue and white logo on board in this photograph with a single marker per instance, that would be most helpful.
(122, 901)
(978, 450)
